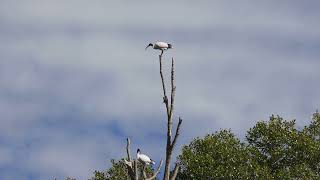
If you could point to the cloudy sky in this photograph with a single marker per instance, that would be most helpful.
(75, 80)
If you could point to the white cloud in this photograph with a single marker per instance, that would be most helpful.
(236, 63)
(64, 155)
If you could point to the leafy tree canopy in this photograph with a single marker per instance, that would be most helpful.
(118, 171)
(273, 149)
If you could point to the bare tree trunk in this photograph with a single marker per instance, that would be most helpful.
(170, 107)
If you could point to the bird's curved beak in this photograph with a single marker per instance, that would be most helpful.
(148, 46)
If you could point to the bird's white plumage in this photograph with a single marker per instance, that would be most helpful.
(144, 158)
(161, 45)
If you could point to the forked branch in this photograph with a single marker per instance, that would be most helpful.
(177, 133)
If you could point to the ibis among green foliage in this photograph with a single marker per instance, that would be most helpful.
(118, 171)
(273, 149)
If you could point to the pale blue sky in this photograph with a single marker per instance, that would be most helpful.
(75, 79)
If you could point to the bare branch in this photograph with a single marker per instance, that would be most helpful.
(157, 172)
(136, 169)
(165, 98)
(175, 172)
(128, 162)
(170, 115)
(144, 171)
(128, 149)
(177, 133)
(173, 89)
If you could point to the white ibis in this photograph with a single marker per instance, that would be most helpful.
(160, 46)
(144, 158)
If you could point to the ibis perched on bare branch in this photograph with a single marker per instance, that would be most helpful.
(160, 46)
(144, 158)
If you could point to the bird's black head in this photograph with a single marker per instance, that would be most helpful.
(150, 44)
(138, 150)
(169, 46)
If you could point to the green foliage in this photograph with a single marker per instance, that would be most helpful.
(273, 144)
(311, 145)
(273, 149)
(220, 155)
(284, 150)
(118, 171)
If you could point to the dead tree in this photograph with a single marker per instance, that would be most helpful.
(171, 140)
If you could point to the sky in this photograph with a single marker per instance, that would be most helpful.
(75, 80)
